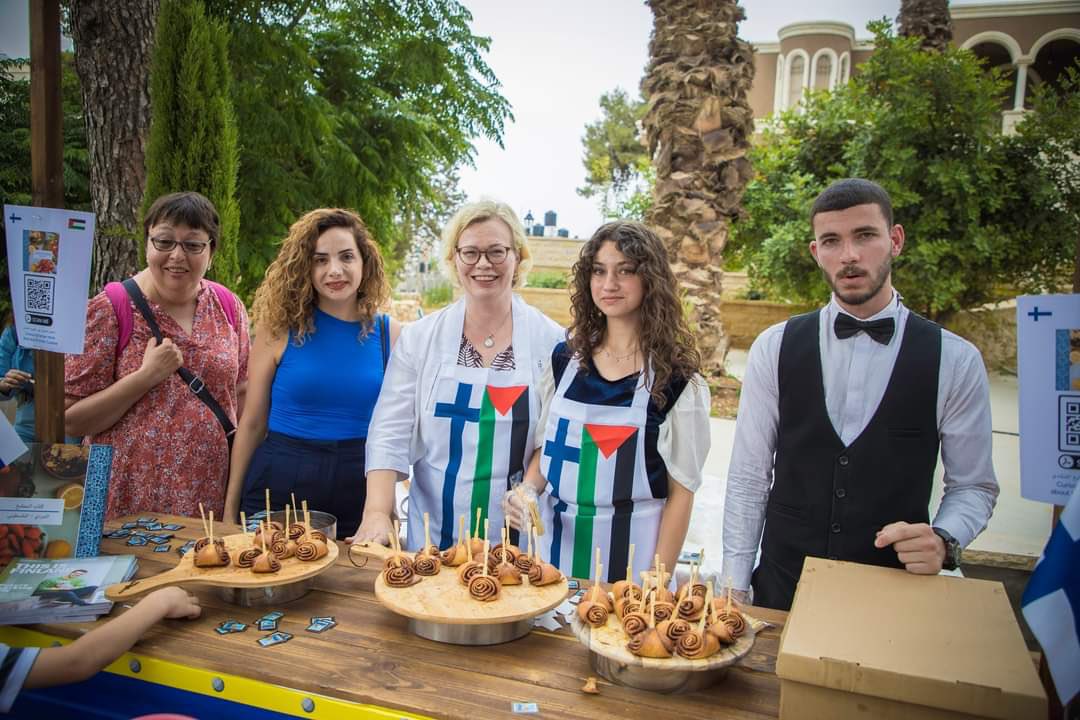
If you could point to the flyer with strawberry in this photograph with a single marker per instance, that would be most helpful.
(52, 503)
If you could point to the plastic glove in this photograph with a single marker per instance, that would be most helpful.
(515, 505)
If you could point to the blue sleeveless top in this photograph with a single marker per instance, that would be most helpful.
(326, 388)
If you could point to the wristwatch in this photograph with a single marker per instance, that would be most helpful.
(952, 550)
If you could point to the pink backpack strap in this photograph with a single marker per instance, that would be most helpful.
(227, 300)
(124, 317)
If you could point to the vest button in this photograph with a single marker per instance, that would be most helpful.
(835, 527)
(843, 461)
(840, 492)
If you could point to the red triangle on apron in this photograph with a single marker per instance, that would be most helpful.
(608, 438)
(503, 398)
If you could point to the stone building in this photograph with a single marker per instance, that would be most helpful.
(1033, 41)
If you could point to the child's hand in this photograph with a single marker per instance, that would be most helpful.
(174, 603)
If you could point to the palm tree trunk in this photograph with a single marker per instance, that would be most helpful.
(698, 127)
(928, 19)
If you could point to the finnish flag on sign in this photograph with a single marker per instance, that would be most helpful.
(1051, 602)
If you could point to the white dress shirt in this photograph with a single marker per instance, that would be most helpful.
(856, 372)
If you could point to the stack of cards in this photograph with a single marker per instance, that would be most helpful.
(274, 639)
(269, 621)
(321, 624)
(230, 626)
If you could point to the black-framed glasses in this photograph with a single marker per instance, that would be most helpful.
(167, 245)
(496, 254)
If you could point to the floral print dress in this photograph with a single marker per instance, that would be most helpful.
(169, 451)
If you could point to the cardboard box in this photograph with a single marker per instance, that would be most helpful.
(869, 642)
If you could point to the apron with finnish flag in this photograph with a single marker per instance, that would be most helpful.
(477, 430)
(594, 461)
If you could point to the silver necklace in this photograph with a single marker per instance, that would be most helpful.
(489, 341)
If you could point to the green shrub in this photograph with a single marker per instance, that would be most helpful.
(547, 280)
(437, 296)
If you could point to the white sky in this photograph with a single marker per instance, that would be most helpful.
(554, 60)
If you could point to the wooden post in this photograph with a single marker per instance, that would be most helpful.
(47, 189)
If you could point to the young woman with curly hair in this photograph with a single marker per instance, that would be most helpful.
(626, 414)
(317, 364)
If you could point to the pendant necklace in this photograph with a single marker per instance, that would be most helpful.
(489, 341)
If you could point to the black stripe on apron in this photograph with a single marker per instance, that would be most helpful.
(621, 494)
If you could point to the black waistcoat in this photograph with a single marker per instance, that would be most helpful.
(829, 500)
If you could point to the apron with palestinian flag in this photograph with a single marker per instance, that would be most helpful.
(601, 497)
(477, 429)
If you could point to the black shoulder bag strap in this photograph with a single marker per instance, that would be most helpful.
(384, 339)
(193, 381)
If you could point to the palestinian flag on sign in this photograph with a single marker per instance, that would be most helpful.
(76, 224)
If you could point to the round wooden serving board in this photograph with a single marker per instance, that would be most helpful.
(610, 641)
(443, 599)
(185, 572)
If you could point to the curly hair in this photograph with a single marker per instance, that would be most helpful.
(664, 337)
(286, 299)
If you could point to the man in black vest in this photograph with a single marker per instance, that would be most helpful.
(842, 414)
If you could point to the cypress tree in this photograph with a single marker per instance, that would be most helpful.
(193, 136)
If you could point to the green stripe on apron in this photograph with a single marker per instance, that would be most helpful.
(586, 508)
(485, 449)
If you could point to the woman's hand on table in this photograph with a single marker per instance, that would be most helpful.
(375, 527)
(160, 360)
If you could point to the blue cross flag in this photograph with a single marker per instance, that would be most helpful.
(1051, 602)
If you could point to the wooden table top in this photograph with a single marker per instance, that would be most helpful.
(371, 657)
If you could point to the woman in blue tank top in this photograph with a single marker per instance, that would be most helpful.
(316, 367)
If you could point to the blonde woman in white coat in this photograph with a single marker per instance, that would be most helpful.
(459, 403)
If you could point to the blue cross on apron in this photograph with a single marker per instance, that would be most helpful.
(560, 452)
(459, 413)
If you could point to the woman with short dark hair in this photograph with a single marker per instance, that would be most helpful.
(170, 447)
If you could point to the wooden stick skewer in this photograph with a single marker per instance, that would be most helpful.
(505, 540)
(243, 523)
(630, 566)
(427, 532)
(705, 615)
(267, 506)
(211, 527)
(478, 511)
(487, 547)
(206, 530)
(395, 539)
(599, 574)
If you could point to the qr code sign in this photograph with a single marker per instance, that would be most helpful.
(39, 294)
(1069, 416)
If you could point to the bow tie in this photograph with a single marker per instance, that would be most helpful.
(880, 330)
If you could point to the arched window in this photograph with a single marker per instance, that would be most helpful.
(844, 73)
(823, 72)
(796, 78)
(778, 89)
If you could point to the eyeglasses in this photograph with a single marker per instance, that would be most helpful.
(496, 254)
(167, 245)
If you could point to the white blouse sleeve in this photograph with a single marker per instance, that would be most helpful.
(684, 437)
(545, 392)
(393, 422)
